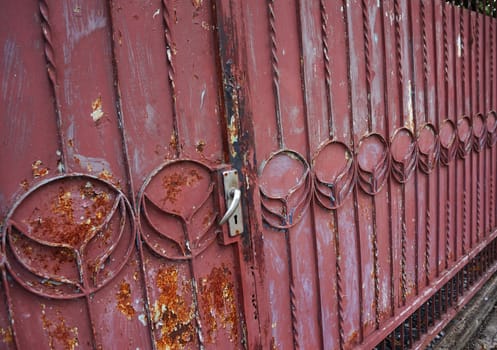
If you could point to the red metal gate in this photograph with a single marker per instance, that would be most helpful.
(362, 134)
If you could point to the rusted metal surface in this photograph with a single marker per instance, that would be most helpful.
(110, 234)
(373, 167)
(363, 134)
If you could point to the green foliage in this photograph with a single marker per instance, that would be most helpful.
(488, 7)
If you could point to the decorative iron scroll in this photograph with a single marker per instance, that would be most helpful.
(465, 138)
(287, 182)
(448, 144)
(373, 163)
(479, 132)
(68, 236)
(285, 186)
(334, 174)
(428, 148)
(491, 128)
(177, 209)
(404, 155)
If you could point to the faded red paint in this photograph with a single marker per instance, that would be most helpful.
(363, 133)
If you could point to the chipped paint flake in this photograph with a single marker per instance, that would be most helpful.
(38, 169)
(197, 3)
(97, 111)
(6, 335)
(156, 13)
(143, 319)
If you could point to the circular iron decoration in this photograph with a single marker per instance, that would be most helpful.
(491, 128)
(177, 209)
(429, 148)
(68, 236)
(464, 134)
(404, 154)
(448, 145)
(373, 163)
(334, 173)
(479, 132)
(285, 187)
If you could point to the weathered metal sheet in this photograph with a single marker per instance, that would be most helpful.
(112, 240)
(363, 133)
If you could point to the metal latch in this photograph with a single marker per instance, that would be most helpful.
(232, 196)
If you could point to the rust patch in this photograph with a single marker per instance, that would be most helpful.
(331, 225)
(200, 146)
(207, 219)
(49, 260)
(38, 169)
(123, 297)
(106, 175)
(170, 313)
(173, 142)
(353, 338)
(97, 111)
(173, 184)
(63, 227)
(6, 334)
(217, 295)
(58, 332)
(25, 184)
(70, 142)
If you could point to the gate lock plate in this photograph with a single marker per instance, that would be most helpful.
(232, 196)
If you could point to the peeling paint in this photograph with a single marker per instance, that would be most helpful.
(97, 111)
(197, 3)
(6, 335)
(200, 146)
(38, 169)
(233, 136)
(143, 319)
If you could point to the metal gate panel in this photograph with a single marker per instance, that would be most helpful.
(362, 132)
(395, 221)
(113, 238)
(183, 120)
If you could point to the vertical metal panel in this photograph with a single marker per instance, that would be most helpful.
(363, 133)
